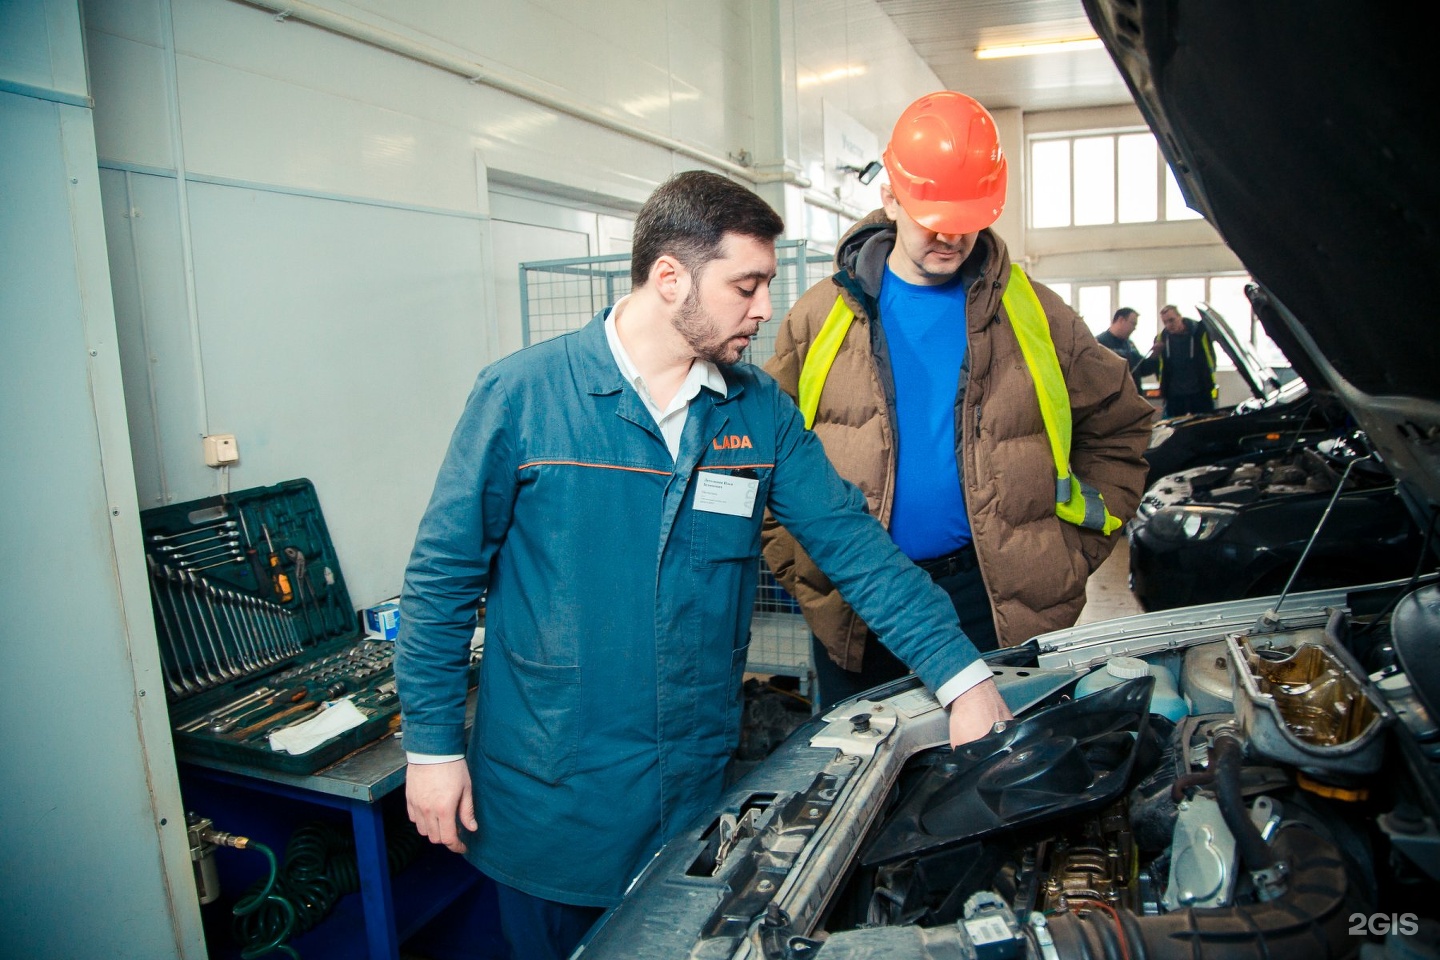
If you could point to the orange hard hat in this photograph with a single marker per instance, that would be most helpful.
(945, 164)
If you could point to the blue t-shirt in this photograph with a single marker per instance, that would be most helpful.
(925, 331)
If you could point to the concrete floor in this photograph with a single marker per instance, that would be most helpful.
(1107, 594)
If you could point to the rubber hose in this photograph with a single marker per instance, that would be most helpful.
(1307, 922)
(320, 868)
(1225, 759)
(1333, 625)
(1182, 783)
(271, 942)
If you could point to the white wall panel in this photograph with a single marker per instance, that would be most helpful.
(132, 100)
(92, 826)
(698, 59)
(162, 385)
(1010, 125)
(851, 55)
(557, 48)
(535, 40)
(585, 159)
(135, 353)
(640, 92)
(637, 30)
(138, 20)
(616, 234)
(244, 126)
(545, 47)
(40, 45)
(339, 342)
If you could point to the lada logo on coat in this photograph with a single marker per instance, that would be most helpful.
(732, 442)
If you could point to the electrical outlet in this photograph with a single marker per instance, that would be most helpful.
(221, 450)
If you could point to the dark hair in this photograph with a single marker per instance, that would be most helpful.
(1122, 313)
(687, 216)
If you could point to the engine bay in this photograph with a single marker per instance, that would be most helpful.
(1258, 828)
(1240, 782)
(1309, 469)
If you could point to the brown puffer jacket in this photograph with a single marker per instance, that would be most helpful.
(1034, 564)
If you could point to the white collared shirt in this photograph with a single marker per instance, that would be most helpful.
(671, 420)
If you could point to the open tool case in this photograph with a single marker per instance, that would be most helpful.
(256, 628)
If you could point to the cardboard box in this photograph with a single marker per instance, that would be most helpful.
(382, 621)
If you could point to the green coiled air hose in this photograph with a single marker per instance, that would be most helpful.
(320, 868)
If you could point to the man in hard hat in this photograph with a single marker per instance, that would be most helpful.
(604, 490)
(999, 444)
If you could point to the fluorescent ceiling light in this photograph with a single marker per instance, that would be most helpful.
(999, 50)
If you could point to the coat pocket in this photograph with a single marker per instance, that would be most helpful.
(724, 537)
(721, 538)
(532, 717)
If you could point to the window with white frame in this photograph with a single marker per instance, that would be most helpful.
(1090, 179)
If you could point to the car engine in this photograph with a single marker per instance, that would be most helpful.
(1260, 827)
(1317, 469)
(1288, 807)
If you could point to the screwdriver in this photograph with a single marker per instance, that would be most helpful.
(281, 581)
(256, 567)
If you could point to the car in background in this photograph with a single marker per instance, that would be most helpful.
(1256, 778)
(1275, 416)
(1238, 528)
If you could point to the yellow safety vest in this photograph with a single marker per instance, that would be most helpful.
(1075, 501)
(1205, 345)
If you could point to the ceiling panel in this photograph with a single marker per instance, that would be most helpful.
(945, 33)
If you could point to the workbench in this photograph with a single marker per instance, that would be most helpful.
(355, 784)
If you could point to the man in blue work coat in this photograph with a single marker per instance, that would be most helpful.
(604, 490)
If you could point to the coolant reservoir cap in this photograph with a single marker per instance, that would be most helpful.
(1127, 668)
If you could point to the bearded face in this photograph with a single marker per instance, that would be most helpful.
(728, 300)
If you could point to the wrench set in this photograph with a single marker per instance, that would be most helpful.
(255, 626)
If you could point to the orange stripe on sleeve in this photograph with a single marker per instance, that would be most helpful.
(594, 466)
(737, 466)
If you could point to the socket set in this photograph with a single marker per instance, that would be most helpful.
(256, 628)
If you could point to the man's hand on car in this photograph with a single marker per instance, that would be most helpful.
(974, 712)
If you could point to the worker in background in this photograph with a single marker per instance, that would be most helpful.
(1184, 359)
(604, 490)
(1117, 340)
(999, 444)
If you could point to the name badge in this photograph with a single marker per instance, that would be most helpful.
(718, 493)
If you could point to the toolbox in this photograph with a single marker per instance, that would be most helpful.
(257, 632)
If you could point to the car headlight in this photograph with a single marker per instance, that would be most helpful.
(1190, 523)
(1160, 433)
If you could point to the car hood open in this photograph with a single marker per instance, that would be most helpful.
(1258, 376)
(1312, 159)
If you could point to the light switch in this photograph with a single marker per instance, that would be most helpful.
(221, 450)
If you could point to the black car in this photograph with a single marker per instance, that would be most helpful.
(1256, 778)
(1275, 416)
(1238, 528)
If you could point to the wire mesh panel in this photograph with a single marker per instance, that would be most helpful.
(558, 296)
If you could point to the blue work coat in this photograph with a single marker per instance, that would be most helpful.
(617, 614)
